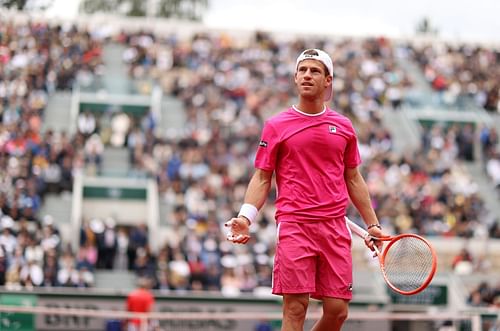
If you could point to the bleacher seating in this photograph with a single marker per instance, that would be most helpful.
(216, 91)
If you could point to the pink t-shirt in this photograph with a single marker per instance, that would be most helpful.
(309, 154)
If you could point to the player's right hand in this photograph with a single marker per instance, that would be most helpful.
(239, 230)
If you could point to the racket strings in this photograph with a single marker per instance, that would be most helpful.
(408, 263)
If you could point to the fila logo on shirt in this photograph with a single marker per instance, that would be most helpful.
(332, 128)
(263, 143)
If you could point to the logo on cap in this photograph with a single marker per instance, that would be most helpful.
(319, 55)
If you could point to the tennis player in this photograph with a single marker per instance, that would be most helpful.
(313, 152)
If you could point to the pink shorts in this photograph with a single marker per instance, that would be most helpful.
(315, 258)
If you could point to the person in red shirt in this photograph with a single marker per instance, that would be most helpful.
(140, 300)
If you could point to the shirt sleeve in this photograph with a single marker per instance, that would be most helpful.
(267, 150)
(352, 158)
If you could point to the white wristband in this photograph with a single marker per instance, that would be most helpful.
(249, 211)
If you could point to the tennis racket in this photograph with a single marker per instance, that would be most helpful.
(408, 262)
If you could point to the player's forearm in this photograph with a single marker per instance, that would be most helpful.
(360, 197)
(258, 188)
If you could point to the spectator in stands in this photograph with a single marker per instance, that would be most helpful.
(50, 269)
(463, 263)
(163, 281)
(83, 277)
(144, 265)
(475, 299)
(121, 257)
(197, 271)
(465, 141)
(107, 243)
(94, 149)
(489, 140)
(52, 174)
(51, 240)
(67, 273)
(13, 275)
(493, 169)
(7, 239)
(230, 282)
(87, 255)
(179, 273)
(86, 123)
(120, 125)
(138, 239)
(87, 235)
(213, 278)
(34, 251)
(86, 258)
(31, 274)
(3, 266)
(483, 295)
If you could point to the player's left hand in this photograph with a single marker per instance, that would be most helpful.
(239, 230)
(375, 232)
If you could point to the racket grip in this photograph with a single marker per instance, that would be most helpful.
(356, 228)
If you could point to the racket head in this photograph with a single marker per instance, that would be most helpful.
(408, 263)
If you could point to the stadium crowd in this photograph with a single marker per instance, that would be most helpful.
(467, 76)
(227, 92)
(485, 295)
(462, 72)
(35, 60)
(491, 154)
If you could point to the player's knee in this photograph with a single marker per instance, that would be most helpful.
(296, 309)
(336, 318)
(342, 315)
(337, 313)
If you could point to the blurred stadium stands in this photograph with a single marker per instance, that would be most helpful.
(125, 147)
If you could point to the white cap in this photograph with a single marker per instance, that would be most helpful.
(323, 57)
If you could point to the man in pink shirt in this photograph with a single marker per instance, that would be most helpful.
(313, 152)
